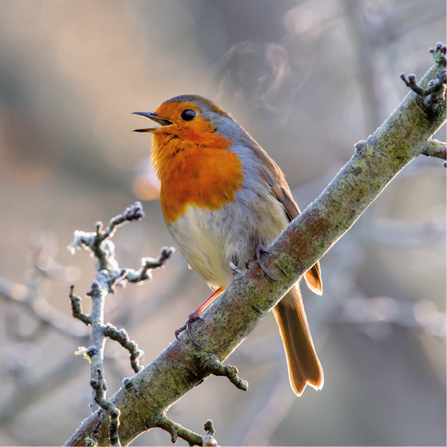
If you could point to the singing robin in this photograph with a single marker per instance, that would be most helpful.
(224, 200)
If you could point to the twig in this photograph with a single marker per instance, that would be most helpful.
(76, 308)
(437, 149)
(178, 431)
(100, 388)
(208, 440)
(123, 339)
(108, 275)
(96, 350)
(210, 364)
(133, 212)
(433, 94)
(148, 264)
(98, 242)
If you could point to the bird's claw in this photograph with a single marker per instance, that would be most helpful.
(187, 327)
(260, 251)
(235, 269)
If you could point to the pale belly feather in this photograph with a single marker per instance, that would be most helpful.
(215, 242)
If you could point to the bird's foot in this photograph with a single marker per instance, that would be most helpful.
(261, 250)
(187, 327)
(235, 269)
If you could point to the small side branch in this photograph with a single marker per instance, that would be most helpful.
(208, 439)
(100, 387)
(437, 149)
(131, 213)
(434, 93)
(210, 364)
(147, 265)
(178, 431)
(98, 242)
(124, 340)
(76, 308)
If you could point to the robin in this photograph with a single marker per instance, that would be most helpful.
(224, 200)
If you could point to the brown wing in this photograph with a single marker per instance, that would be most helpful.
(280, 189)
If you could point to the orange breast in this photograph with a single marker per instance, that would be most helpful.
(195, 169)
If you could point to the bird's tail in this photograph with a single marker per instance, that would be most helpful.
(302, 360)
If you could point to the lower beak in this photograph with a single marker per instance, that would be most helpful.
(153, 117)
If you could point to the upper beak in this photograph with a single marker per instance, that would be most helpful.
(153, 117)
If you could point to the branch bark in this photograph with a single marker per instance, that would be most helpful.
(144, 400)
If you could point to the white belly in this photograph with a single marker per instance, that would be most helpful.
(214, 242)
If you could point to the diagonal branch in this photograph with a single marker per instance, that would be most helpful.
(400, 139)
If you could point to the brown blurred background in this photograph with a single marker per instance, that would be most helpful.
(307, 79)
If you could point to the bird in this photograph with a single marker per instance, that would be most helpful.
(224, 200)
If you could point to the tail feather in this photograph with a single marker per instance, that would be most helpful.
(313, 279)
(302, 360)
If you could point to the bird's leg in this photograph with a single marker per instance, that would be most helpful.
(194, 316)
(260, 251)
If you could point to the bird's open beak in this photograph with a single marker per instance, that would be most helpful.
(153, 117)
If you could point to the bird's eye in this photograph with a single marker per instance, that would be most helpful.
(188, 114)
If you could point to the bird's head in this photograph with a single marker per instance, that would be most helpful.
(191, 118)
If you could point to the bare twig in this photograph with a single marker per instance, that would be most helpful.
(435, 148)
(148, 264)
(123, 339)
(177, 431)
(100, 388)
(76, 308)
(208, 440)
(210, 364)
(96, 350)
(433, 94)
(133, 212)
(108, 275)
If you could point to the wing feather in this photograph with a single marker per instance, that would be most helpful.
(275, 178)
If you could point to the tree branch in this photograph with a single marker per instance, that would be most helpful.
(108, 275)
(251, 295)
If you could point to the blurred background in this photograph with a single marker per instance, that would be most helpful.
(307, 79)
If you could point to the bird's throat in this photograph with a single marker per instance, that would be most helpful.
(195, 174)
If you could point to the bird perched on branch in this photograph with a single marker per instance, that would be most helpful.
(224, 200)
